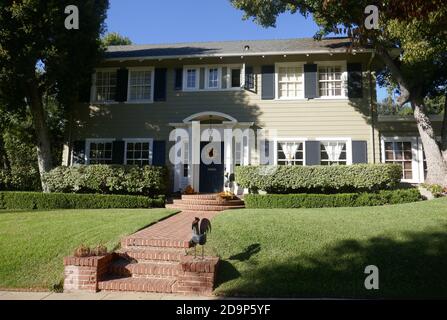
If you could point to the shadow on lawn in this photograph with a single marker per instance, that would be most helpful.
(414, 267)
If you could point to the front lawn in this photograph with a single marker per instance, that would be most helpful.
(33, 244)
(323, 252)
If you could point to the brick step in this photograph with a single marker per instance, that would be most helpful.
(129, 242)
(159, 268)
(164, 285)
(144, 254)
(192, 207)
(208, 202)
(201, 196)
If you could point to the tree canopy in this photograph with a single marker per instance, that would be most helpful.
(115, 39)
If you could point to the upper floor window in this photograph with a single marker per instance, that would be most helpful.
(290, 153)
(213, 78)
(100, 151)
(333, 152)
(191, 78)
(330, 81)
(290, 81)
(140, 85)
(139, 152)
(105, 85)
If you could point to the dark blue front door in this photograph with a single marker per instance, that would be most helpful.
(211, 173)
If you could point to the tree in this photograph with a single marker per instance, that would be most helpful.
(115, 39)
(415, 29)
(40, 57)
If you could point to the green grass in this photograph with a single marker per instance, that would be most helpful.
(324, 252)
(33, 244)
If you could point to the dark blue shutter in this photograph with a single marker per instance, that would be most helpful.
(359, 152)
(310, 81)
(118, 152)
(202, 78)
(249, 79)
(268, 82)
(159, 153)
(312, 153)
(178, 84)
(78, 152)
(355, 81)
(160, 84)
(122, 77)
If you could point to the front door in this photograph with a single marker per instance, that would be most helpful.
(211, 173)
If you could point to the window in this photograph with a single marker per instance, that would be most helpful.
(191, 79)
(105, 86)
(333, 152)
(290, 82)
(100, 152)
(290, 153)
(139, 152)
(140, 85)
(238, 154)
(185, 160)
(330, 81)
(235, 78)
(213, 78)
(400, 152)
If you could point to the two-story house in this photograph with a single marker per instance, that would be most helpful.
(167, 104)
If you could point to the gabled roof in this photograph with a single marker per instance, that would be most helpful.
(227, 48)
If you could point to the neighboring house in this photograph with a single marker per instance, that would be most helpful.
(317, 96)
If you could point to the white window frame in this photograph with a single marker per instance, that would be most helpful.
(185, 78)
(290, 139)
(96, 140)
(288, 64)
(220, 76)
(341, 139)
(344, 78)
(416, 154)
(152, 70)
(93, 90)
(141, 140)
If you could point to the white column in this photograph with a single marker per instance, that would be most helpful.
(228, 145)
(195, 155)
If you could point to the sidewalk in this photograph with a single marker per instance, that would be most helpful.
(13, 295)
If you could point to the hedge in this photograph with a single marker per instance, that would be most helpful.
(47, 201)
(108, 179)
(319, 179)
(303, 200)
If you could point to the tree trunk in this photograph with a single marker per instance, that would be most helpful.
(42, 136)
(436, 166)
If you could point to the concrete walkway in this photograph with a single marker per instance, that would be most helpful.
(14, 295)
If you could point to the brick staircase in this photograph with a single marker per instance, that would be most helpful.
(155, 259)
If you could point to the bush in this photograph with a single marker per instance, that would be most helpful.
(108, 179)
(303, 200)
(317, 179)
(47, 201)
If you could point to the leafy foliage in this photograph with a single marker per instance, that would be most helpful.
(105, 179)
(303, 200)
(48, 201)
(115, 39)
(294, 179)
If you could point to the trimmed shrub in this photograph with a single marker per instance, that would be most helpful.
(108, 179)
(47, 201)
(303, 200)
(317, 179)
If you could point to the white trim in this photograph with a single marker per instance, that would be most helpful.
(185, 78)
(344, 78)
(287, 64)
(210, 113)
(348, 146)
(292, 139)
(152, 70)
(219, 77)
(142, 140)
(415, 154)
(206, 68)
(93, 87)
(95, 140)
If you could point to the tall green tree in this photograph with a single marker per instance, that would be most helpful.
(40, 57)
(115, 39)
(415, 29)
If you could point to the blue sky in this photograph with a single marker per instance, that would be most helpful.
(168, 21)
